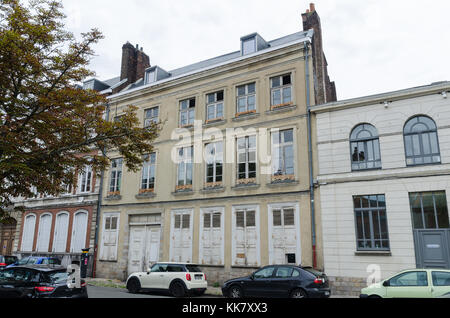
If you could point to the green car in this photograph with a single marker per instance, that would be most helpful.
(415, 283)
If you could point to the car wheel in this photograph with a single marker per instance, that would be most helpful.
(235, 292)
(177, 289)
(133, 286)
(299, 293)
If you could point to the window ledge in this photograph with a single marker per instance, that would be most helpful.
(246, 186)
(213, 190)
(282, 109)
(246, 117)
(188, 127)
(115, 197)
(145, 195)
(216, 122)
(283, 183)
(373, 253)
(183, 192)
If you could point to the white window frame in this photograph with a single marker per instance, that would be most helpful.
(236, 208)
(247, 150)
(146, 170)
(31, 234)
(280, 206)
(246, 96)
(282, 144)
(213, 210)
(102, 253)
(216, 103)
(153, 118)
(218, 158)
(280, 88)
(72, 241)
(186, 108)
(55, 231)
(85, 180)
(116, 176)
(187, 160)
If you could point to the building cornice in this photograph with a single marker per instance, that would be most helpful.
(437, 88)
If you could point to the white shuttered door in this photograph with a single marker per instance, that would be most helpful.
(79, 231)
(61, 231)
(211, 243)
(181, 237)
(144, 247)
(246, 239)
(110, 235)
(28, 233)
(45, 225)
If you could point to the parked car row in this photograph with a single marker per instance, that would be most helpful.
(13, 261)
(181, 279)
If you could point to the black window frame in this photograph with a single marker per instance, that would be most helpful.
(422, 155)
(371, 210)
(377, 163)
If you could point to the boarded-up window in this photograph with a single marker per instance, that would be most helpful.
(110, 238)
(181, 237)
(246, 239)
(211, 245)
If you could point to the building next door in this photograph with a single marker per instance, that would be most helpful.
(7, 233)
(431, 227)
(144, 247)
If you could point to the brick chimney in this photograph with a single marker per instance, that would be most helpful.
(325, 90)
(134, 63)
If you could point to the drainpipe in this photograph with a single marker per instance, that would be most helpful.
(310, 157)
(99, 204)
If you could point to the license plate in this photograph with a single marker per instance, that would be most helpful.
(198, 277)
(327, 293)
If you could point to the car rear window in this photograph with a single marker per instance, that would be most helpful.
(56, 277)
(193, 269)
(10, 259)
(313, 271)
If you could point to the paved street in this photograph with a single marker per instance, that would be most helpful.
(108, 292)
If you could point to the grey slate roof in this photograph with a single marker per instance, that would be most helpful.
(213, 61)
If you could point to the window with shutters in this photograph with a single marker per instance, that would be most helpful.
(110, 237)
(181, 236)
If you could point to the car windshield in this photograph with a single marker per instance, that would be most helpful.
(56, 277)
(193, 269)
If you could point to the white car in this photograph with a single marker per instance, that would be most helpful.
(179, 279)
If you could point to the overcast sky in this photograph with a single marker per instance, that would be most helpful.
(372, 46)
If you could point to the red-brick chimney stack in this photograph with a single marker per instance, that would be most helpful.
(134, 63)
(325, 90)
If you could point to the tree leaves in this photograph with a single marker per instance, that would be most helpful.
(50, 128)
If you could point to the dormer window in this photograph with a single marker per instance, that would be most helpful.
(253, 43)
(151, 77)
(249, 46)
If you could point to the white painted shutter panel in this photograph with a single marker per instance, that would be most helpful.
(109, 238)
(61, 231)
(79, 232)
(136, 249)
(28, 233)
(45, 224)
(284, 235)
(153, 254)
(246, 238)
(181, 238)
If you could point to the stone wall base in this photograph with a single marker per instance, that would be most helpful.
(347, 286)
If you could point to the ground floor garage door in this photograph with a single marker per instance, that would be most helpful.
(144, 247)
(432, 248)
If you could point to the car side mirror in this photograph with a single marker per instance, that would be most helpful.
(252, 276)
(386, 284)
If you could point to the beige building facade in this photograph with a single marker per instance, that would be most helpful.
(228, 185)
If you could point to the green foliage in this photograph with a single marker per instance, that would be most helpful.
(49, 126)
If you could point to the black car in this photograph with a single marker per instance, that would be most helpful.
(38, 281)
(279, 281)
(7, 260)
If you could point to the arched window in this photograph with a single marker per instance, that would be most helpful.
(365, 148)
(421, 141)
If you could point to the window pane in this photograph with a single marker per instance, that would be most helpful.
(434, 143)
(289, 217)
(216, 220)
(441, 278)
(286, 79)
(428, 210)
(416, 209)
(276, 97)
(276, 82)
(426, 144)
(442, 210)
(277, 218)
(186, 221)
(240, 219)
(250, 218)
(207, 220)
(251, 88)
(287, 96)
(241, 91)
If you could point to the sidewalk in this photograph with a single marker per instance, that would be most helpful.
(211, 291)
